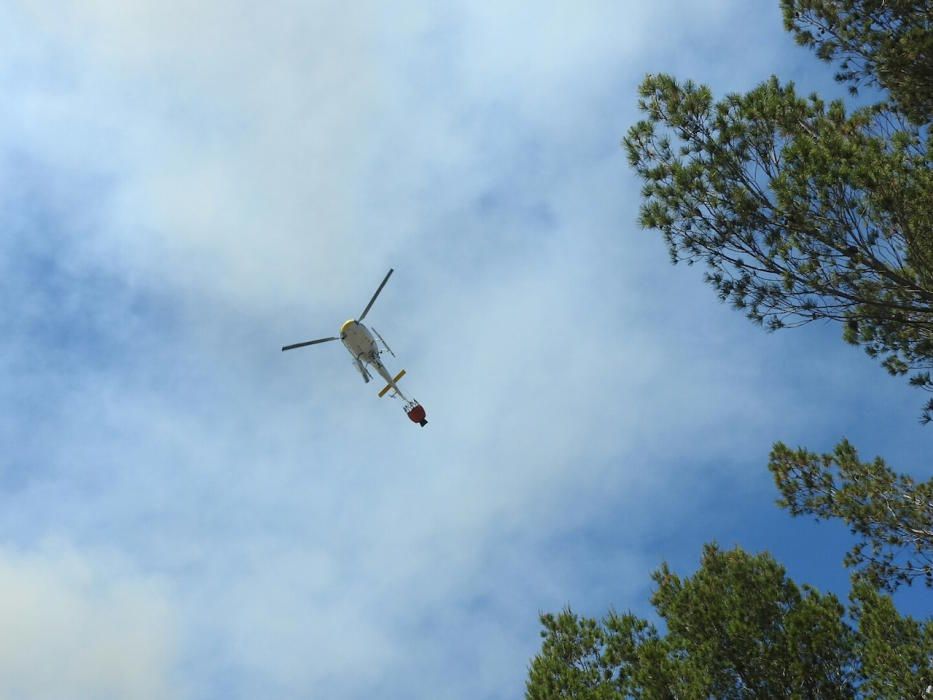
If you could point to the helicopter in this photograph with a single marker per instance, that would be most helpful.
(361, 345)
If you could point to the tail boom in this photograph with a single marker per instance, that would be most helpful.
(391, 384)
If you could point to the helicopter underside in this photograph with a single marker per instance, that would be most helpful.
(360, 343)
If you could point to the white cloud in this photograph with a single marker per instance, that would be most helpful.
(263, 152)
(79, 626)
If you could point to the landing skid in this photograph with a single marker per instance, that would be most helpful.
(363, 371)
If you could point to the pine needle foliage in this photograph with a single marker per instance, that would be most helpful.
(890, 514)
(738, 628)
(799, 210)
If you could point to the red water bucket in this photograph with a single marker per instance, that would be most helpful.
(417, 415)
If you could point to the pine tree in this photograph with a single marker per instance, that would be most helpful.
(881, 43)
(737, 628)
(800, 211)
(890, 514)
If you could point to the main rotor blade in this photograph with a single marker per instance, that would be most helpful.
(310, 342)
(371, 301)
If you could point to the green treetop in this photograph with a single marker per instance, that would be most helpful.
(882, 43)
(889, 513)
(737, 628)
(799, 210)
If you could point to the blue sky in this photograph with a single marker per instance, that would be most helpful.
(186, 512)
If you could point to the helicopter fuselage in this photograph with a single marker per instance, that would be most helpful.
(359, 342)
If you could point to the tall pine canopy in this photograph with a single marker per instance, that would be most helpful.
(738, 628)
(879, 43)
(803, 211)
(800, 210)
(890, 514)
